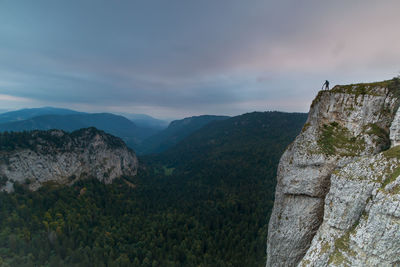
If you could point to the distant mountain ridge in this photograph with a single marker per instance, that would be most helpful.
(146, 121)
(176, 131)
(224, 137)
(141, 120)
(47, 118)
(141, 132)
(110, 123)
(27, 113)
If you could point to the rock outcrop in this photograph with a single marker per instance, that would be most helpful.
(37, 157)
(336, 198)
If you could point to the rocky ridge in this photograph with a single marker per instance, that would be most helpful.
(38, 157)
(337, 195)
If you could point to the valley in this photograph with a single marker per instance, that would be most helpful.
(202, 202)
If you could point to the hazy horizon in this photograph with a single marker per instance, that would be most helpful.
(177, 59)
(3, 111)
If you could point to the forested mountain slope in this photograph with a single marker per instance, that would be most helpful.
(204, 202)
(176, 131)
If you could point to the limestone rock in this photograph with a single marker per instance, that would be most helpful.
(361, 225)
(345, 125)
(55, 156)
(395, 130)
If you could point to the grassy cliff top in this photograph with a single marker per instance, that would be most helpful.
(357, 89)
(369, 88)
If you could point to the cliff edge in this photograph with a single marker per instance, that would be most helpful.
(37, 157)
(336, 185)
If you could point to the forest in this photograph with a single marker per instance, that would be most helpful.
(204, 202)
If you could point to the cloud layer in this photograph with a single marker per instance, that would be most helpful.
(180, 58)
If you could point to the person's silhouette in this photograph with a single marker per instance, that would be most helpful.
(326, 85)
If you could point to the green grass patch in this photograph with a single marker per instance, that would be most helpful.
(394, 87)
(370, 88)
(392, 177)
(306, 263)
(374, 129)
(394, 152)
(337, 140)
(317, 98)
(395, 190)
(362, 88)
(325, 247)
(305, 127)
(342, 246)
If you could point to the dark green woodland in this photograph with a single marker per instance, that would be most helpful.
(204, 202)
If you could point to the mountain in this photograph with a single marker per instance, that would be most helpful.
(55, 156)
(337, 196)
(28, 113)
(183, 208)
(221, 139)
(143, 126)
(146, 121)
(110, 123)
(176, 131)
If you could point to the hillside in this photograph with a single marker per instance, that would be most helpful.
(198, 209)
(225, 139)
(224, 176)
(176, 131)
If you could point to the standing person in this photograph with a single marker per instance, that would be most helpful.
(326, 85)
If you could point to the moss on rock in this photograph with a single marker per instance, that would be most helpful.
(337, 140)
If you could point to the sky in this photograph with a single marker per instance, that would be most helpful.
(173, 59)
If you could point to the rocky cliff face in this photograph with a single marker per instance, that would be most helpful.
(338, 194)
(37, 157)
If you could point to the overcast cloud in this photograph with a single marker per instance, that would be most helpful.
(180, 58)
